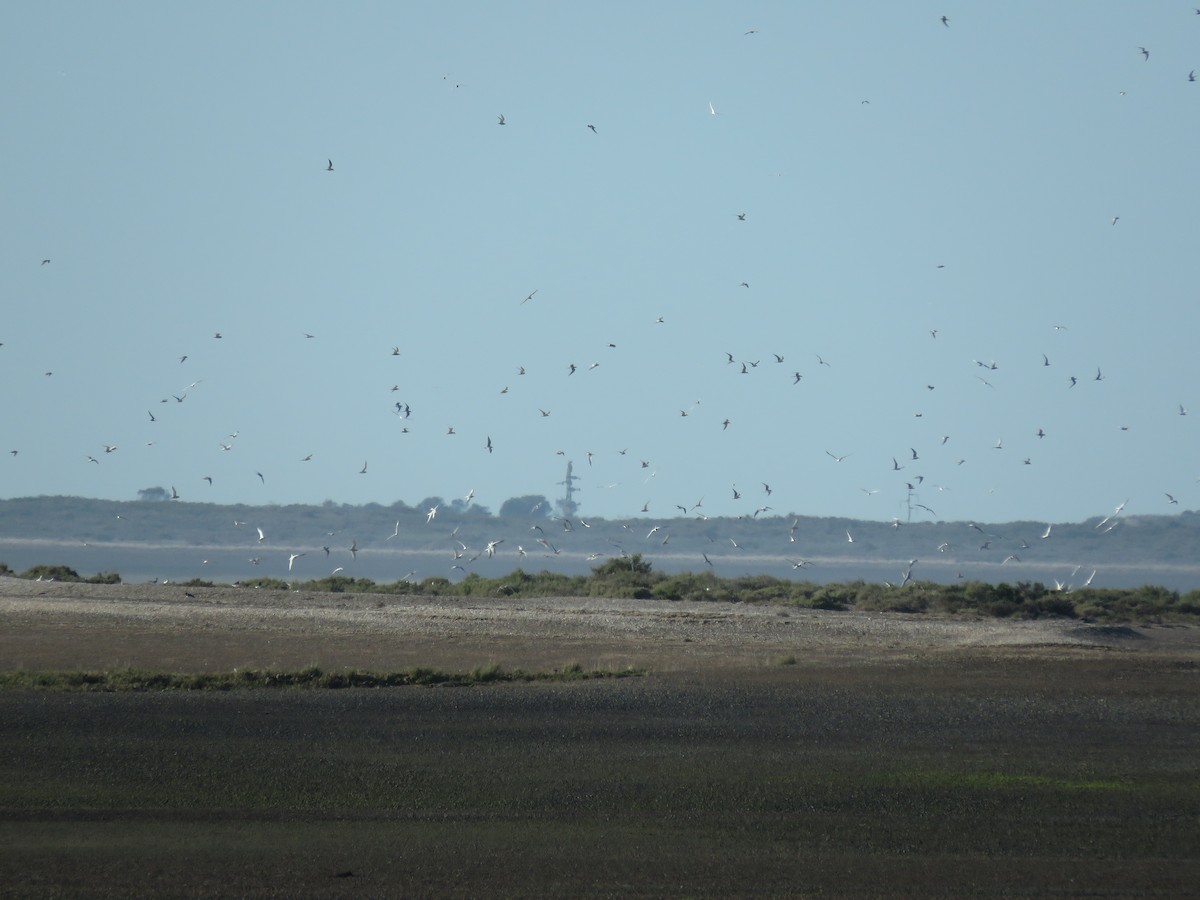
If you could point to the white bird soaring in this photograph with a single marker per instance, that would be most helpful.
(293, 557)
(490, 549)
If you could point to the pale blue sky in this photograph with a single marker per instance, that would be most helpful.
(170, 160)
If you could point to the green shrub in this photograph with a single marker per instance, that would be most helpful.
(265, 584)
(51, 573)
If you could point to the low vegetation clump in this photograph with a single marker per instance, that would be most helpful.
(632, 577)
(312, 677)
(62, 573)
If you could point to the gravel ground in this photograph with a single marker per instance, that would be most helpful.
(62, 625)
(769, 752)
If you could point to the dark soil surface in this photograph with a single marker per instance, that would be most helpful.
(815, 754)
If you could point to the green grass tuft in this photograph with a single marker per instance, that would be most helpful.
(311, 677)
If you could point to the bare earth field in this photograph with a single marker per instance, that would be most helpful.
(765, 752)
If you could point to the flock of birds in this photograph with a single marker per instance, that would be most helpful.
(907, 468)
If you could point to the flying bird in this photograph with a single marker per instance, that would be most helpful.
(500, 120)
(1145, 52)
(945, 21)
(593, 127)
(363, 470)
(292, 559)
(261, 537)
(329, 165)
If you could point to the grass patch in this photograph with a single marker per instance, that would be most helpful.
(312, 677)
(634, 577)
(984, 781)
